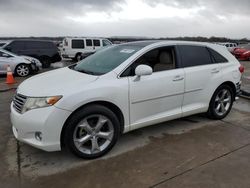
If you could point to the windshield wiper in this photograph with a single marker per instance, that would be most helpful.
(86, 72)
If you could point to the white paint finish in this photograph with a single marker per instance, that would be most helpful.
(200, 84)
(155, 96)
(145, 101)
(67, 50)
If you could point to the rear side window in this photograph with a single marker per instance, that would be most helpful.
(97, 43)
(17, 44)
(216, 57)
(89, 42)
(38, 45)
(77, 44)
(194, 55)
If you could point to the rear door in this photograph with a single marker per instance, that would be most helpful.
(202, 77)
(97, 44)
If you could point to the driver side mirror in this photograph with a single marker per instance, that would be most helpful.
(143, 70)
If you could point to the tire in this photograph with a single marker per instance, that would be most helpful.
(221, 103)
(91, 132)
(22, 70)
(78, 57)
(45, 62)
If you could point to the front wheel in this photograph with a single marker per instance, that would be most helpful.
(22, 70)
(92, 132)
(221, 103)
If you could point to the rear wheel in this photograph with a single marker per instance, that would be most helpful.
(92, 132)
(221, 103)
(22, 70)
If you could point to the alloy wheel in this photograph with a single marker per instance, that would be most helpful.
(223, 102)
(22, 70)
(93, 134)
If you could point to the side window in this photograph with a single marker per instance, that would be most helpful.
(2, 54)
(106, 43)
(77, 44)
(216, 57)
(160, 59)
(97, 43)
(15, 46)
(89, 42)
(194, 55)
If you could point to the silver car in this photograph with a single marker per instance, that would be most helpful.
(20, 65)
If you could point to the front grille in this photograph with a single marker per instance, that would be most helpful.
(18, 102)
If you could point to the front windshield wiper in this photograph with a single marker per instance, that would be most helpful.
(86, 72)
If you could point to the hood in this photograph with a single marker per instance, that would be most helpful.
(56, 82)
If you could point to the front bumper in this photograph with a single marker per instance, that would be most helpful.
(46, 121)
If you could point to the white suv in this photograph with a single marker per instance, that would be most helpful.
(87, 106)
(78, 48)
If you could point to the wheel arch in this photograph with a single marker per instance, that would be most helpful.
(114, 108)
(231, 85)
(22, 63)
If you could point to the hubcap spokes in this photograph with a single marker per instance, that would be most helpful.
(223, 102)
(22, 70)
(93, 134)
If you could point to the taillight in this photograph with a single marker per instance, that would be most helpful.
(241, 69)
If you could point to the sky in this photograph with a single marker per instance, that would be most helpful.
(106, 18)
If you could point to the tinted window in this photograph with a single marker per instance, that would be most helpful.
(97, 43)
(89, 42)
(36, 45)
(216, 57)
(194, 55)
(15, 46)
(77, 44)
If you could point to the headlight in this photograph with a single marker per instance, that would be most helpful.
(39, 102)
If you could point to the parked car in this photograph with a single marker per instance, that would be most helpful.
(79, 48)
(230, 46)
(123, 88)
(242, 52)
(3, 42)
(45, 51)
(20, 65)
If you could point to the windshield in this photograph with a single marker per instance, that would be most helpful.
(7, 52)
(106, 59)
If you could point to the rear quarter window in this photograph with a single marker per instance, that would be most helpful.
(194, 55)
(217, 57)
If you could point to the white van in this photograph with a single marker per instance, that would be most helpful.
(76, 48)
(229, 46)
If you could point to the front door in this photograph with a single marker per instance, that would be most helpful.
(157, 97)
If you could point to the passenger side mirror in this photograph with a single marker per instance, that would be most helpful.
(143, 70)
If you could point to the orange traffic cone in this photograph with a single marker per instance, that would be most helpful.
(9, 79)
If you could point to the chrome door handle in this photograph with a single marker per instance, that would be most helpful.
(215, 70)
(178, 78)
